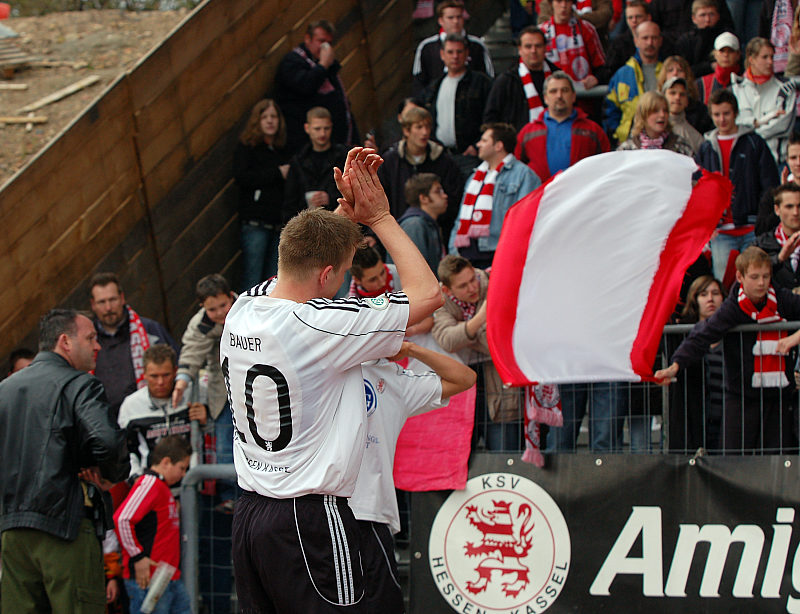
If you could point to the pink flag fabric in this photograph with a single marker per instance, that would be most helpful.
(433, 448)
(589, 266)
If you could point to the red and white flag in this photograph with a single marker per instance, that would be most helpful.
(589, 266)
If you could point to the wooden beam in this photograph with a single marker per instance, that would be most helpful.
(17, 119)
(62, 93)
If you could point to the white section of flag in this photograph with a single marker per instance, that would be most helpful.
(593, 254)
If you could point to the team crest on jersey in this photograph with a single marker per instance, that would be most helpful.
(378, 302)
(371, 397)
(501, 545)
(381, 385)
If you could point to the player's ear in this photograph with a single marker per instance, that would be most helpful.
(324, 274)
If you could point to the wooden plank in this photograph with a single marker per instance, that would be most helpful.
(200, 182)
(153, 152)
(161, 179)
(17, 119)
(152, 119)
(219, 256)
(62, 93)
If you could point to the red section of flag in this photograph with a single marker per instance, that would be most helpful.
(507, 268)
(684, 244)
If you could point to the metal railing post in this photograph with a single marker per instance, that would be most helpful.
(190, 522)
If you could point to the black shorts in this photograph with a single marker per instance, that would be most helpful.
(297, 555)
(384, 594)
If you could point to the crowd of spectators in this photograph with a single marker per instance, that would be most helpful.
(693, 78)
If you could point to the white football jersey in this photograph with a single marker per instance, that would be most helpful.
(393, 394)
(293, 374)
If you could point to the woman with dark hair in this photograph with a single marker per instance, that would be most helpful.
(766, 102)
(260, 166)
(696, 403)
(651, 127)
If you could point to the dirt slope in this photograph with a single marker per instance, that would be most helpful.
(103, 43)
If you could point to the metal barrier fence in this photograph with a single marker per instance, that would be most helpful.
(688, 417)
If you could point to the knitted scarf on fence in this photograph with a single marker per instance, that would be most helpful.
(542, 406)
(357, 290)
(139, 344)
(768, 366)
(475, 215)
(535, 106)
(780, 237)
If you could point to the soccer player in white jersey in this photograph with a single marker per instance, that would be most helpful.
(292, 366)
(394, 394)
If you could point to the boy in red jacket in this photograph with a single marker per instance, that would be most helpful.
(148, 527)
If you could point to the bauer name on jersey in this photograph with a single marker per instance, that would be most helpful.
(293, 373)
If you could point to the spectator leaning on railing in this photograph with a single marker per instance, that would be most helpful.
(760, 393)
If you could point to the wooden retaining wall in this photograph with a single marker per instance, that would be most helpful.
(140, 183)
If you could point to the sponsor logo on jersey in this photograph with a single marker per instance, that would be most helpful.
(378, 302)
(500, 545)
(371, 397)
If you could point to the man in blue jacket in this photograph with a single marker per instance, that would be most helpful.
(499, 182)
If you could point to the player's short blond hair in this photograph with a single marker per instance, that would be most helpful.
(314, 239)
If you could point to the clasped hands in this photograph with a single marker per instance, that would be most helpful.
(363, 198)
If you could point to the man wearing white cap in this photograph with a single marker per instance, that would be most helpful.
(726, 62)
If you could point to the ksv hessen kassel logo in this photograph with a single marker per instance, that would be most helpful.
(501, 545)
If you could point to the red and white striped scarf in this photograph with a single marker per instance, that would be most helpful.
(139, 344)
(780, 33)
(780, 236)
(467, 309)
(542, 406)
(535, 105)
(768, 367)
(475, 215)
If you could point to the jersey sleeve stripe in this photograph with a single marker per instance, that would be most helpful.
(369, 332)
(128, 512)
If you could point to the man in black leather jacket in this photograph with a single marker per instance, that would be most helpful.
(55, 423)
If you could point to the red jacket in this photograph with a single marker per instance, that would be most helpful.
(588, 139)
(148, 524)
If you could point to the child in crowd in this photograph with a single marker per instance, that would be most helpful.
(200, 349)
(148, 527)
(758, 394)
(741, 155)
(371, 276)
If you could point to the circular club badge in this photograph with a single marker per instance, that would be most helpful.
(501, 545)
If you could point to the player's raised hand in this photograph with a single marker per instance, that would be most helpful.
(369, 199)
(342, 176)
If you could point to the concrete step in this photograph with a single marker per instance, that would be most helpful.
(500, 44)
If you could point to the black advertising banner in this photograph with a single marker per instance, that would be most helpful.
(617, 533)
